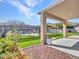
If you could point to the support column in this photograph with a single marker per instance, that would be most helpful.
(43, 28)
(65, 29)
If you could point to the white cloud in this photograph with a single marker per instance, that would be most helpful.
(33, 3)
(25, 10)
(22, 8)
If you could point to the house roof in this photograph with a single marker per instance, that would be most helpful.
(64, 9)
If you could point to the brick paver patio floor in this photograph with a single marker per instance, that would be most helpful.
(43, 52)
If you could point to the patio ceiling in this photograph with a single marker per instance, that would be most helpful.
(63, 9)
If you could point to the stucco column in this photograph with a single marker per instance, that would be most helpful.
(65, 29)
(43, 28)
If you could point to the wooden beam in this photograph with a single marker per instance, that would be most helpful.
(43, 28)
(53, 17)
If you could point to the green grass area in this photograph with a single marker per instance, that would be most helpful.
(57, 36)
(27, 41)
(73, 33)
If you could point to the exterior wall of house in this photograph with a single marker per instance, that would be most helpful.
(36, 29)
(59, 30)
(24, 31)
(71, 30)
(27, 29)
(21, 29)
(54, 31)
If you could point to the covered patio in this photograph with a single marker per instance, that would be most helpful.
(61, 10)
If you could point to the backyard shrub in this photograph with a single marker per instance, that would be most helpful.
(9, 50)
(13, 35)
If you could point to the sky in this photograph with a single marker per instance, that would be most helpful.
(23, 10)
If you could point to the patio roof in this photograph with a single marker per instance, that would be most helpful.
(63, 9)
